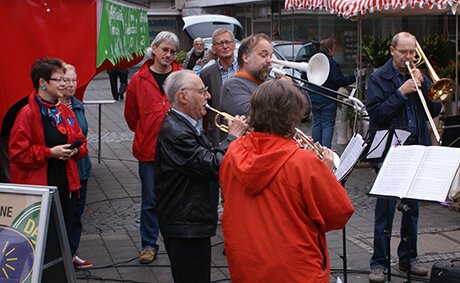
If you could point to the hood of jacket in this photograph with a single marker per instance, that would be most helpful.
(257, 158)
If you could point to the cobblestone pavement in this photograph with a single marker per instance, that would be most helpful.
(111, 237)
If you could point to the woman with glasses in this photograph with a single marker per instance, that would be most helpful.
(84, 165)
(42, 134)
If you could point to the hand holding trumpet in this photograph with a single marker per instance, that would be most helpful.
(238, 126)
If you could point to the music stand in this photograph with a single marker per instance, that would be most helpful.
(348, 160)
(451, 131)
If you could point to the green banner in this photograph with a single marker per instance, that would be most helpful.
(123, 32)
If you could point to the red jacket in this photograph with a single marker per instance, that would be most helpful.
(280, 201)
(145, 109)
(28, 152)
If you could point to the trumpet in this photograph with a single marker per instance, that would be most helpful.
(307, 142)
(222, 127)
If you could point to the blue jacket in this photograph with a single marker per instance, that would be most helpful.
(84, 165)
(334, 81)
(386, 104)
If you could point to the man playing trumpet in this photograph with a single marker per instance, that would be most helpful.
(269, 183)
(392, 103)
(187, 175)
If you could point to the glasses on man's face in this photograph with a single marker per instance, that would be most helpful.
(201, 91)
(166, 50)
(406, 52)
(59, 80)
(226, 42)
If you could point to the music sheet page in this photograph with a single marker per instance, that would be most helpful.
(398, 171)
(350, 156)
(435, 174)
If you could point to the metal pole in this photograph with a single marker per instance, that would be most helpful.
(99, 135)
(456, 63)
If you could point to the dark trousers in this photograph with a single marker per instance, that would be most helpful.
(190, 259)
(76, 226)
(113, 76)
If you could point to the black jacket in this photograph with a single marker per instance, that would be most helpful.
(187, 170)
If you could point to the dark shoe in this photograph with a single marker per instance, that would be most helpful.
(415, 269)
(79, 263)
(377, 276)
(147, 255)
(121, 96)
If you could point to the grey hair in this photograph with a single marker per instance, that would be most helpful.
(162, 36)
(198, 39)
(396, 37)
(175, 82)
(220, 31)
(69, 67)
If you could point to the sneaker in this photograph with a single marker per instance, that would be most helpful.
(147, 255)
(80, 263)
(415, 268)
(376, 275)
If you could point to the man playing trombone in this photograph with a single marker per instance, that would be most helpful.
(392, 103)
(255, 63)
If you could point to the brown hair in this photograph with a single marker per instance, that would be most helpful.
(248, 44)
(325, 45)
(43, 69)
(277, 107)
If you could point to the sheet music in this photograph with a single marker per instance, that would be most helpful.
(435, 174)
(378, 144)
(400, 137)
(398, 171)
(350, 156)
(417, 172)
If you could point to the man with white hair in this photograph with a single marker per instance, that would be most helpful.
(194, 59)
(187, 178)
(146, 105)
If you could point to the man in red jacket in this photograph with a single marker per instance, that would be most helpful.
(146, 106)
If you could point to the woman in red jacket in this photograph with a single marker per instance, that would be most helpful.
(42, 132)
(280, 200)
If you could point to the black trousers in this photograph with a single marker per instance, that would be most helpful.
(190, 259)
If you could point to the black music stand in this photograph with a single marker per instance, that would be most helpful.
(351, 159)
(451, 132)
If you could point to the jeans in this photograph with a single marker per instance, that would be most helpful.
(324, 114)
(76, 226)
(149, 222)
(384, 214)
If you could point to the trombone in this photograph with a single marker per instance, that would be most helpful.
(439, 91)
(302, 139)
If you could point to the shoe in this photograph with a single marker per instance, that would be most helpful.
(147, 255)
(79, 263)
(121, 96)
(377, 276)
(415, 269)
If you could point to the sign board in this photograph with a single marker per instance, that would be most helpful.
(123, 32)
(27, 246)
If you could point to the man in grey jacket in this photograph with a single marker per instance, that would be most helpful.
(225, 67)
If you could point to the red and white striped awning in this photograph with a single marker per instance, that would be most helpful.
(350, 8)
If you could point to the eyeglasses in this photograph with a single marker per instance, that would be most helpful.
(59, 80)
(166, 50)
(405, 52)
(221, 43)
(201, 91)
